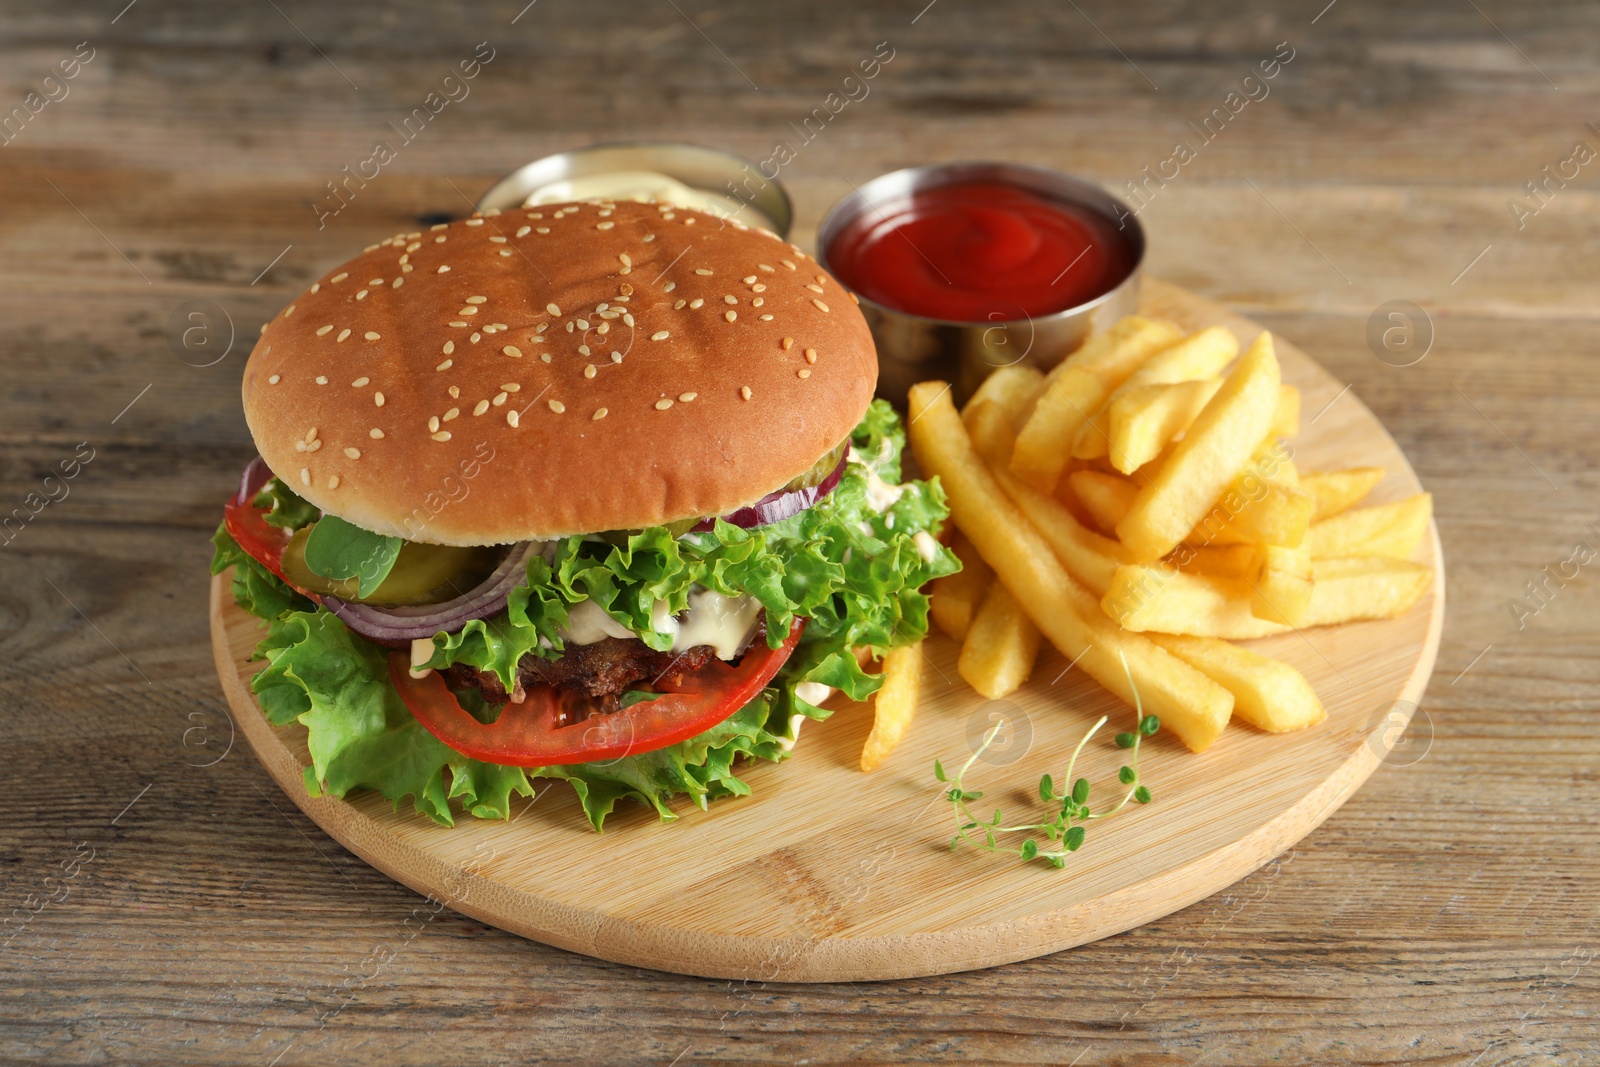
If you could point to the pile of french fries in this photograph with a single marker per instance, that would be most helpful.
(1139, 502)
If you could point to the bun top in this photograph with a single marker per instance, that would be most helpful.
(567, 369)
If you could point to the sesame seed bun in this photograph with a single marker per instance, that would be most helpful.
(434, 387)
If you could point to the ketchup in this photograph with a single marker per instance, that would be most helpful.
(980, 252)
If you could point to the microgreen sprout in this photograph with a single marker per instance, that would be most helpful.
(1063, 826)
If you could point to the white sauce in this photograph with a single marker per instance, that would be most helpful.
(813, 692)
(421, 652)
(927, 547)
(712, 619)
(881, 495)
(645, 186)
(588, 622)
(795, 722)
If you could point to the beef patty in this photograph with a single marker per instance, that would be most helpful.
(602, 670)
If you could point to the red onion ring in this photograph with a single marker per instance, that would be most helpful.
(399, 626)
(256, 474)
(779, 505)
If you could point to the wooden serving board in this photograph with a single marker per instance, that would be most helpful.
(828, 874)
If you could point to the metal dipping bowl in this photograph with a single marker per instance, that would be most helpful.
(912, 348)
(707, 169)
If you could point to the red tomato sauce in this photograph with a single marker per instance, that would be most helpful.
(980, 252)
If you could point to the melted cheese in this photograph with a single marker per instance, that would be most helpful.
(588, 622)
(421, 652)
(716, 620)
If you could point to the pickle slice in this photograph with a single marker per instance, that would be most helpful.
(422, 574)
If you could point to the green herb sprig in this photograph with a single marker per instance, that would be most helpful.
(1068, 811)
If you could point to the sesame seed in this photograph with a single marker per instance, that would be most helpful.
(524, 231)
(730, 315)
(480, 407)
(680, 305)
(359, 382)
(377, 398)
(444, 270)
(589, 371)
(446, 365)
(512, 417)
(648, 238)
(499, 326)
(624, 259)
(288, 311)
(599, 413)
(663, 404)
(744, 391)
(811, 355)
(686, 397)
(333, 481)
(305, 476)
(557, 406)
(455, 392)
(545, 356)
(552, 309)
(604, 225)
(822, 279)
(474, 222)
(438, 226)
(730, 300)
(748, 278)
(501, 240)
(371, 335)
(669, 287)
(820, 305)
(408, 268)
(315, 286)
(583, 324)
(477, 300)
(815, 288)
(453, 412)
(362, 295)
(541, 328)
(433, 424)
(313, 446)
(766, 318)
(803, 372)
(543, 229)
(687, 222)
(616, 357)
(701, 270)
(468, 310)
(766, 268)
(786, 263)
(697, 302)
(353, 453)
(325, 331)
(512, 387)
(660, 335)
(342, 335)
(275, 379)
(475, 337)
(500, 398)
(397, 283)
(322, 379)
(787, 343)
(513, 351)
(375, 433)
(311, 435)
(758, 288)
(341, 276)
(442, 435)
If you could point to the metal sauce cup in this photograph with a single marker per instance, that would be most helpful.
(912, 348)
(706, 169)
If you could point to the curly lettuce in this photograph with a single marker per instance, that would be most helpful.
(853, 565)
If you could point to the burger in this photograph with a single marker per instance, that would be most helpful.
(595, 491)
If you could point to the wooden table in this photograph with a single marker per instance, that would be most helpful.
(193, 915)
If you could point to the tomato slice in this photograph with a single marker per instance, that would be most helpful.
(248, 525)
(529, 734)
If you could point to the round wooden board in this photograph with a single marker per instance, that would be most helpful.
(827, 874)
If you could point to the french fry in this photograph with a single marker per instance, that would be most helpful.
(991, 430)
(1075, 390)
(1208, 458)
(894, 705)
(1230, 561)
(1192, 705)
(1335, 491)
(1088, 557)
(1141, 422)
(954, 599)
(1157, 598)
(1274, 514)
(1106, 497)
(1281, 584)
(1199, 356)
(1267, 693)
(1385, 530)
(1013, 388)
(1000, 648)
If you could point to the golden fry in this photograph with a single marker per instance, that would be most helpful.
(954, 599)
(894, 705)
(1013, 388)
(1208, 458)
(1267, 693)
(992, 432)
(1337, 490)
(1141, 422)
(1000, 648)
(1395, 529)
(1281, 584)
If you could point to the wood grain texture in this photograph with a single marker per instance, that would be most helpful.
(1445, 915)
(792, 882)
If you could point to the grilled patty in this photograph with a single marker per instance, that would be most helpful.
(602, 670)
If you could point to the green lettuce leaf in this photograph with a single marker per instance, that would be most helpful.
(285, 508)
